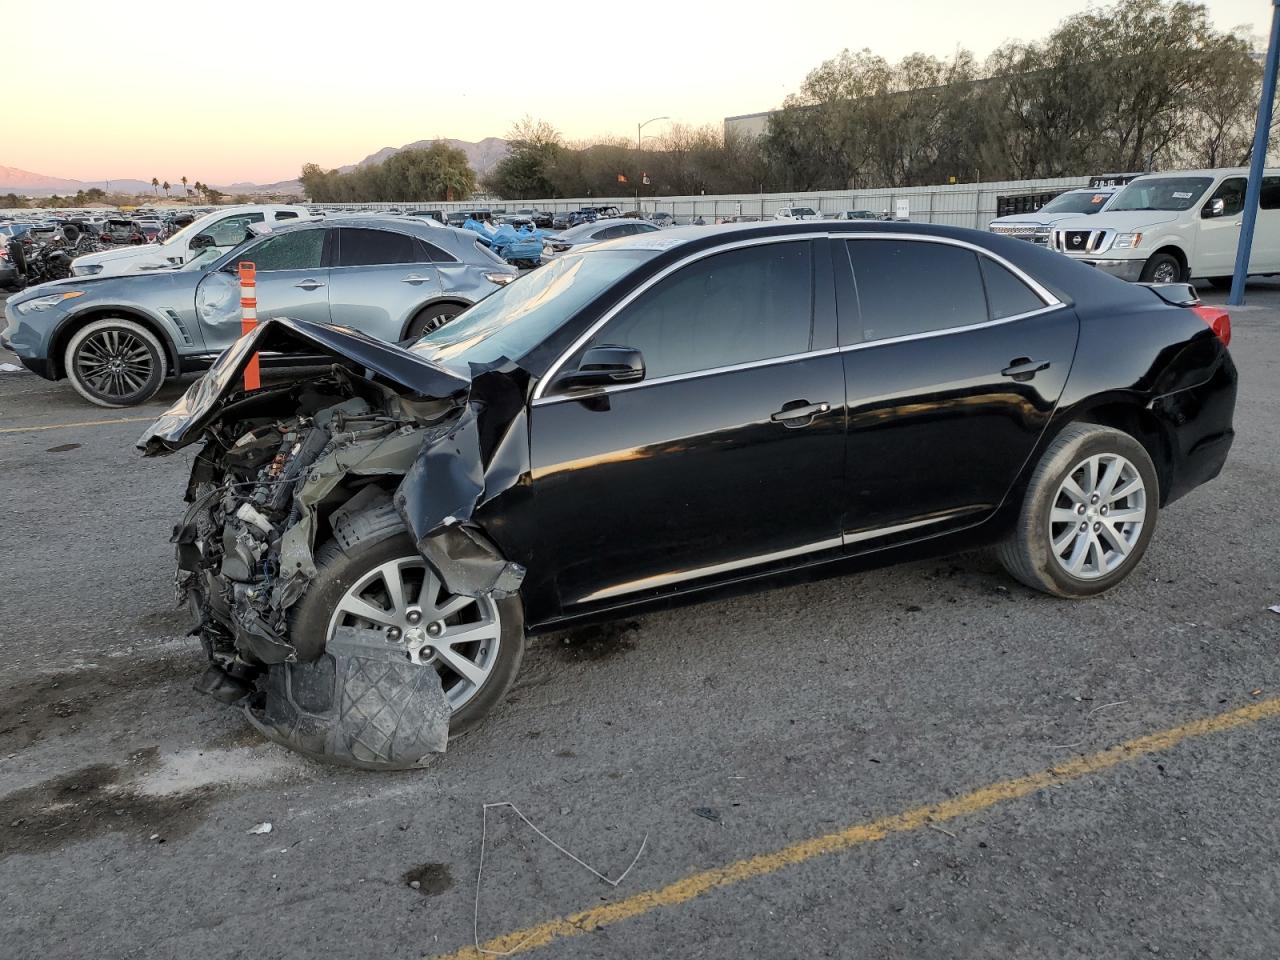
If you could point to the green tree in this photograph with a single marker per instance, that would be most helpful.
(438, 172)
(11, 201)
(165, 187)
(185, 192)
(155, 186)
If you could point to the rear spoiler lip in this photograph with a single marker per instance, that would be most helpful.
(1175, 294)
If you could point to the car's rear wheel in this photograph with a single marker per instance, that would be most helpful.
(431, 318)
(379, 581)
(1088, 513)
(115, 362)
(1162, 268)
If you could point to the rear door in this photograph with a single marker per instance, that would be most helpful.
(953, 363)
(726, 459)
(379, 280)
(292, 281)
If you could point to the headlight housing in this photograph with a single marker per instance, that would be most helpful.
(47, 302)
(86, 269)
(1126, 241)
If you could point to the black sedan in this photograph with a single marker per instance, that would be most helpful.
(666, 418)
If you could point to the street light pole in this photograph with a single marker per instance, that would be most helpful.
(1261, 135)
(640, 149)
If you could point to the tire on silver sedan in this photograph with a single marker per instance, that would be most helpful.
(1088, 513)
(115, 362)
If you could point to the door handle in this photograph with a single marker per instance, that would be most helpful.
(308, 284)
(1024, 368)
(413, 278)
(799, 413)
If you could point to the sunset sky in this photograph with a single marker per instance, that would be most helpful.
(142, 88)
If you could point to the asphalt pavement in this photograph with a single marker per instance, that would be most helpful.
(914, 762)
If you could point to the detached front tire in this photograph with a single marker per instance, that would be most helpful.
(1087, 516)
(115, 362)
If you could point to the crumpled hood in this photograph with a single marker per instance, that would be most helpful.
(185, 421)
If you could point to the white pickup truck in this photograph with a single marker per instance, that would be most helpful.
(1170, 227)
(1036, 227)
(222, 230)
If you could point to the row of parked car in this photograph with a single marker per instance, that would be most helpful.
(1160, 227)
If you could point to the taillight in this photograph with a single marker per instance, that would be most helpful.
(1219, 322)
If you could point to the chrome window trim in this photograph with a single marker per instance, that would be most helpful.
(679, 576)
(617, 308)
(1051, 303)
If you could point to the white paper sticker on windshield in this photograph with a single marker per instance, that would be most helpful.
(1178, 195)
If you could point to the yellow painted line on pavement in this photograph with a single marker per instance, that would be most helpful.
(82, 423)
(691, 887)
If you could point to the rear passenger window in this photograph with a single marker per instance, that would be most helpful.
(909, 286)
(286, 215)
(430, 253)
(367, 248)
(1007, 296)
(1270, 198)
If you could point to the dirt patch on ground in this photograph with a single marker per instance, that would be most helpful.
(596, 642)
(96, 800)
(63, 703)
(433, 879)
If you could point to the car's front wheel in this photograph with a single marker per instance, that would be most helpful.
(376, 580)
(1088, 513)
(115, 362)
(1162, 268)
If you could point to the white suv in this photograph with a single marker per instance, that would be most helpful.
(797, 213)
(222, 230)
(1169, 227)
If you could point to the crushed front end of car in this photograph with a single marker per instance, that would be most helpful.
(284, 467)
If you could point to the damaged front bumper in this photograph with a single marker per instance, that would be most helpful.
(279, 470)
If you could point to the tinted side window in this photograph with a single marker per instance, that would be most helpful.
(750, 304)
(286, 215)
(366, 248)
(609, 233)
(1007, 296)
(1231, 193)
(300, 250)
(430, 253)
(913, 286)
(1270, 198)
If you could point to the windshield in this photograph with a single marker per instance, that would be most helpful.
(515, 319)
(802, 211)
(1077, 202)
(203, 259)
(1161, 193)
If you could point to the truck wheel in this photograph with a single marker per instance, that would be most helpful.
(115, 362)
(1162, 268)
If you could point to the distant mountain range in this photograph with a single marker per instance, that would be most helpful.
(481, 156)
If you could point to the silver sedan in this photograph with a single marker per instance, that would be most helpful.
(586, 234)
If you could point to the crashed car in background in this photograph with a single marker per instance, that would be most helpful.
(660, 419)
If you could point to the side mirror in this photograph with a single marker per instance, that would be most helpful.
(1214, 208)
(200, 241)
(605, 365)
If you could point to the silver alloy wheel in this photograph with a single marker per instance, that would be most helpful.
(1097, 516)
(405, 600)
(1165, 273)
(114, 363)
(436, 322)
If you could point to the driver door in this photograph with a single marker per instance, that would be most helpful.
(293, 281)
(1220, 235)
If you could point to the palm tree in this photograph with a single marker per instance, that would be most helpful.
(185, 191)
(165, 187)
(155, 185)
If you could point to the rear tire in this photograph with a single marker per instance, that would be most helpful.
(1162, 268)
(1041, 550)
(431, 318)
(365, 542)
(115, 363)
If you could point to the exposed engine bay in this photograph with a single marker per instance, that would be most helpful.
(285, 469)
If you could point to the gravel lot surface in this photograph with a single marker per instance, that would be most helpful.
(720, 732)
